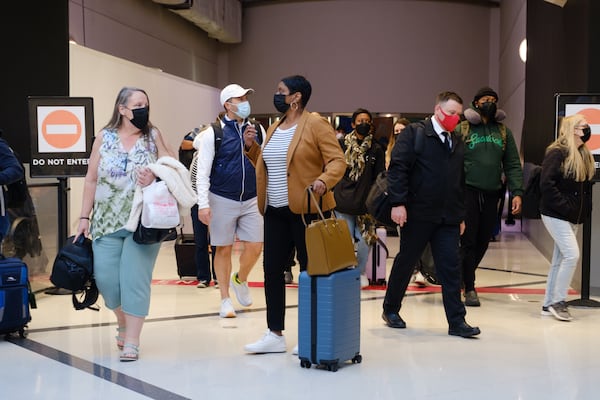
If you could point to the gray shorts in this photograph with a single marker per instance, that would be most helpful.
(230, 218)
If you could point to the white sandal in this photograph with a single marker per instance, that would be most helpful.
(120, 339)
(130, 352)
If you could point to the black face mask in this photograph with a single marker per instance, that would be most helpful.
(587, 133)
(488, 110)
(280, 104)
(140, 117)
(363, 129)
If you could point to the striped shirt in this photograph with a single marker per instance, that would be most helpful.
(275, 157)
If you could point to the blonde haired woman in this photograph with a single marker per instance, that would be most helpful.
(399, 125)
(565, 183)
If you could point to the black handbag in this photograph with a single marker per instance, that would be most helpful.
(378, 202)
(143, 235)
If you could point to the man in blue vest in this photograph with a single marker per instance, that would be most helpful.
(226, 184)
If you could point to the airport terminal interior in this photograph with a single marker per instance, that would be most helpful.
(188, 352)
(91, 48)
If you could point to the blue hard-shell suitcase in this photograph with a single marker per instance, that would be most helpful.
(329, 319)
(14, 296)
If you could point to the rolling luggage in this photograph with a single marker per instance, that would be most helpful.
(14, 296)
(185, 255)
(427, 266)
(329, 319)
(376, 262)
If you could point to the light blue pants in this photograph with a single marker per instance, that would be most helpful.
(123, 271)
(362, 248)
(564, 258)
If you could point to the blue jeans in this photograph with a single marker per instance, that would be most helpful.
(362, 248)
(564, 258)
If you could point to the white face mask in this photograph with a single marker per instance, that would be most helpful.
(243, 109)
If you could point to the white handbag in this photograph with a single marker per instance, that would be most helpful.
(159, 209)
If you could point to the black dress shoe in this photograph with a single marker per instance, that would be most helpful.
(465, 330)
(393, 320)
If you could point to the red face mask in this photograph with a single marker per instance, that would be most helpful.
(450, 121)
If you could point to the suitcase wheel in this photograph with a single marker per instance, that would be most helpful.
(332, 367)
(357, 359)
(305, 363)
(22, 333)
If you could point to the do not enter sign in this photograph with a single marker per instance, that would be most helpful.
(61, 135)
(61, 129)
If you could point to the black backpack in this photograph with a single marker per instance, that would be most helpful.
(73, 270)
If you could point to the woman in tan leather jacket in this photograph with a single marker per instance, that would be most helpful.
(300, 150)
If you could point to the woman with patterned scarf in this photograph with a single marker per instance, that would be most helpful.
(365, 159)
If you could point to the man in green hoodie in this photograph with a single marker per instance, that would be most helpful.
(490, 152)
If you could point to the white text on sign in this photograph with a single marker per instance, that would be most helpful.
(60, 161)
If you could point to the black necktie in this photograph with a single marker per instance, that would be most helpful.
(447, 140)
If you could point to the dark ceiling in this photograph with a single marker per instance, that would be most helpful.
(485, 3)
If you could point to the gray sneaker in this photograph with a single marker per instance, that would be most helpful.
(546, 312)
(560, 311)
(242, 293)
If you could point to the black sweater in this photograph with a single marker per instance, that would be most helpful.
(563, 197)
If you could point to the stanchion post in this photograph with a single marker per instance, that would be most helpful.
(586, 247)
(63, 224)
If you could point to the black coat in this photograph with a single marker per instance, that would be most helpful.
(351, 196)
(563, 197)
(427, 177)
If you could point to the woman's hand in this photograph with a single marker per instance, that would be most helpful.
(319, 187)
(249, 135)
(82, 229)
(145, 177)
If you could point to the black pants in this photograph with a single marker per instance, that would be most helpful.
(201, 240)
(481, 219)
(444, 240)
(284, 230)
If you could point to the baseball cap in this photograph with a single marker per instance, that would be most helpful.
(234, 90)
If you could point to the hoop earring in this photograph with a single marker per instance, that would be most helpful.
(294, 104)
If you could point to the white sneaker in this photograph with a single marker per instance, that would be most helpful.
(269, 343)
(419, 279)
(227, 310)
(364, 281)
(241, 290)
(295, 350)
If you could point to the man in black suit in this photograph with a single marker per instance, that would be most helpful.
(426, 190)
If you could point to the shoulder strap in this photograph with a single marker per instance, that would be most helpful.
(464, 129)
(218, 135)
(502, 128)
(419, 137)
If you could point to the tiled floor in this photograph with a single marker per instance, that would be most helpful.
(188, 352)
